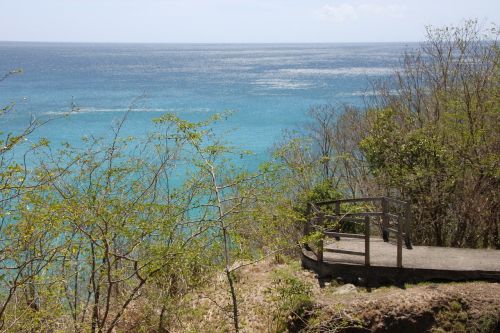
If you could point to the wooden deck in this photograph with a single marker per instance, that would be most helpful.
(418, 264)
(365, 256)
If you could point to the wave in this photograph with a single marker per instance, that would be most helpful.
(368, 93)
(345, 71)
(120, 110)
(281, 84)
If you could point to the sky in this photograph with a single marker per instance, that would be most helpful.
(235, 21)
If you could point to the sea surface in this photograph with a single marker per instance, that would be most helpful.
(269, 87)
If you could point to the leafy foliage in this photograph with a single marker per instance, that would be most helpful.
(436, 141)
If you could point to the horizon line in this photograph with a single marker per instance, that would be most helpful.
(208, 43)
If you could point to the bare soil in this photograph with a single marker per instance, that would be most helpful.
(443, 307)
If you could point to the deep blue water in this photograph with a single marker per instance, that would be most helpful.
(270, 87)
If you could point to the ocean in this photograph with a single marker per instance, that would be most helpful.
(269, 87)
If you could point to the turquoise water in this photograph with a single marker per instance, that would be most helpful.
(270, 87)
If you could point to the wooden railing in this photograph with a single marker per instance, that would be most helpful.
(320, 213)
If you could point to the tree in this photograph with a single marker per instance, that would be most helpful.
(435, 136)
(224, 194)
(326, 155)
(21, 254)
(102, 225)
(126, 227)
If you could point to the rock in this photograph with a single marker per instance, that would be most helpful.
(345, 289)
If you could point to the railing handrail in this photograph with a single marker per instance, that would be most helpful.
(367, 199)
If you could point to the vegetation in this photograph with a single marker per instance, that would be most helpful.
(291, 300)
(103, 238)
(98, 230)
(436, 142)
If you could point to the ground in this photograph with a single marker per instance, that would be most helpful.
(277, 297)
(428, 307)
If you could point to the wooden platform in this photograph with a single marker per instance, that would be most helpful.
(419, 264)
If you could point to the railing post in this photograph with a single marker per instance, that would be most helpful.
(320, 243)
(337, 212)
(407, 229)
(385, 219)
(367, 241)
(400, 243)
(307, 225)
